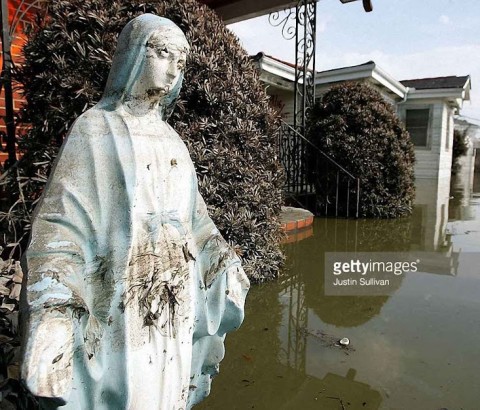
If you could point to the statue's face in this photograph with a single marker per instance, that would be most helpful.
(164, 61)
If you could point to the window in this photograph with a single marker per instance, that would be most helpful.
(417, 125)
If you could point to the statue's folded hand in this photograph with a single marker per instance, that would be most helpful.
(47, 366)
(237, 285)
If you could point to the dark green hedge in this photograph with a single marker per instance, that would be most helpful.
(222, 114)
(460, 148)
(353, 124)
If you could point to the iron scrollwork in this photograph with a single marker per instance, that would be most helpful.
(299, 23)
(286, 20)
(305, 61)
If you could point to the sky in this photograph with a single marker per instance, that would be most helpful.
(407, 38)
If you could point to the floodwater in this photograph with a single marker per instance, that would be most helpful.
(418, 348)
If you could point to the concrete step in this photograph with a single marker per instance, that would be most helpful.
(294, 219)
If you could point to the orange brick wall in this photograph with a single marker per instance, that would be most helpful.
(20, 14)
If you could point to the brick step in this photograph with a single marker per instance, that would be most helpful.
(293, 219)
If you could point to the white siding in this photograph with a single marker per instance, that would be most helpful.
(284, 97)
(445, 166)
(434, 161)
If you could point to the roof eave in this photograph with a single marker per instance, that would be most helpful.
(278, 68)
(344, 74)
(360, 73)
(454, 96)
(389, 82)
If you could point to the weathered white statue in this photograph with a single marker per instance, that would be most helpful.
(131, 288)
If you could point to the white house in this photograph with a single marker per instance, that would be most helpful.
(427, 106)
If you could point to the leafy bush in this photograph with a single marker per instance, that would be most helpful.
(460, 148)
(222, 114)
(356, 127)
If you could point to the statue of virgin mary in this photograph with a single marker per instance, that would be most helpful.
(131, 288)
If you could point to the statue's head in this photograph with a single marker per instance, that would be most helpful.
(166, 55)
(150, 58)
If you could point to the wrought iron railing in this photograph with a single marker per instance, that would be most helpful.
(311, 172)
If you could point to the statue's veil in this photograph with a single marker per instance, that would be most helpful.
(128, 61)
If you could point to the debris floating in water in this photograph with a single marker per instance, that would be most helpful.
(344, 341)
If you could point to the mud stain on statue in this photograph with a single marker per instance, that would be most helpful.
(100, 280)
(223, 254)
(102, 283)
(187, 254)
(158, 282)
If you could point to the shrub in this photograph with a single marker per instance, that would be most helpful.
(460, 148)
(356, 127)
(222, 114)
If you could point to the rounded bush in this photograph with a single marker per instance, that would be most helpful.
(460, 148)
(222, 113)
(359, 129)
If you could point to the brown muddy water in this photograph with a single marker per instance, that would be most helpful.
(416, 349)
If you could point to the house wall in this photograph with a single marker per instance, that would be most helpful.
(282, 99)
(434, 161)
(445, 168)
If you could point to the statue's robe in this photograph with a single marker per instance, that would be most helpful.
(131, 288)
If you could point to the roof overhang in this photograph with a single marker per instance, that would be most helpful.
(453, 96)
(362, 72)
(232, 11)
(370, 71)
(282, 75)
(276, 68)
(235, 11)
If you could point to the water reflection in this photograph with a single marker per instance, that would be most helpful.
(343, 392)
(268, 363)
(417, 348)
(464, 188)
(431, 215)
(304, 286)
